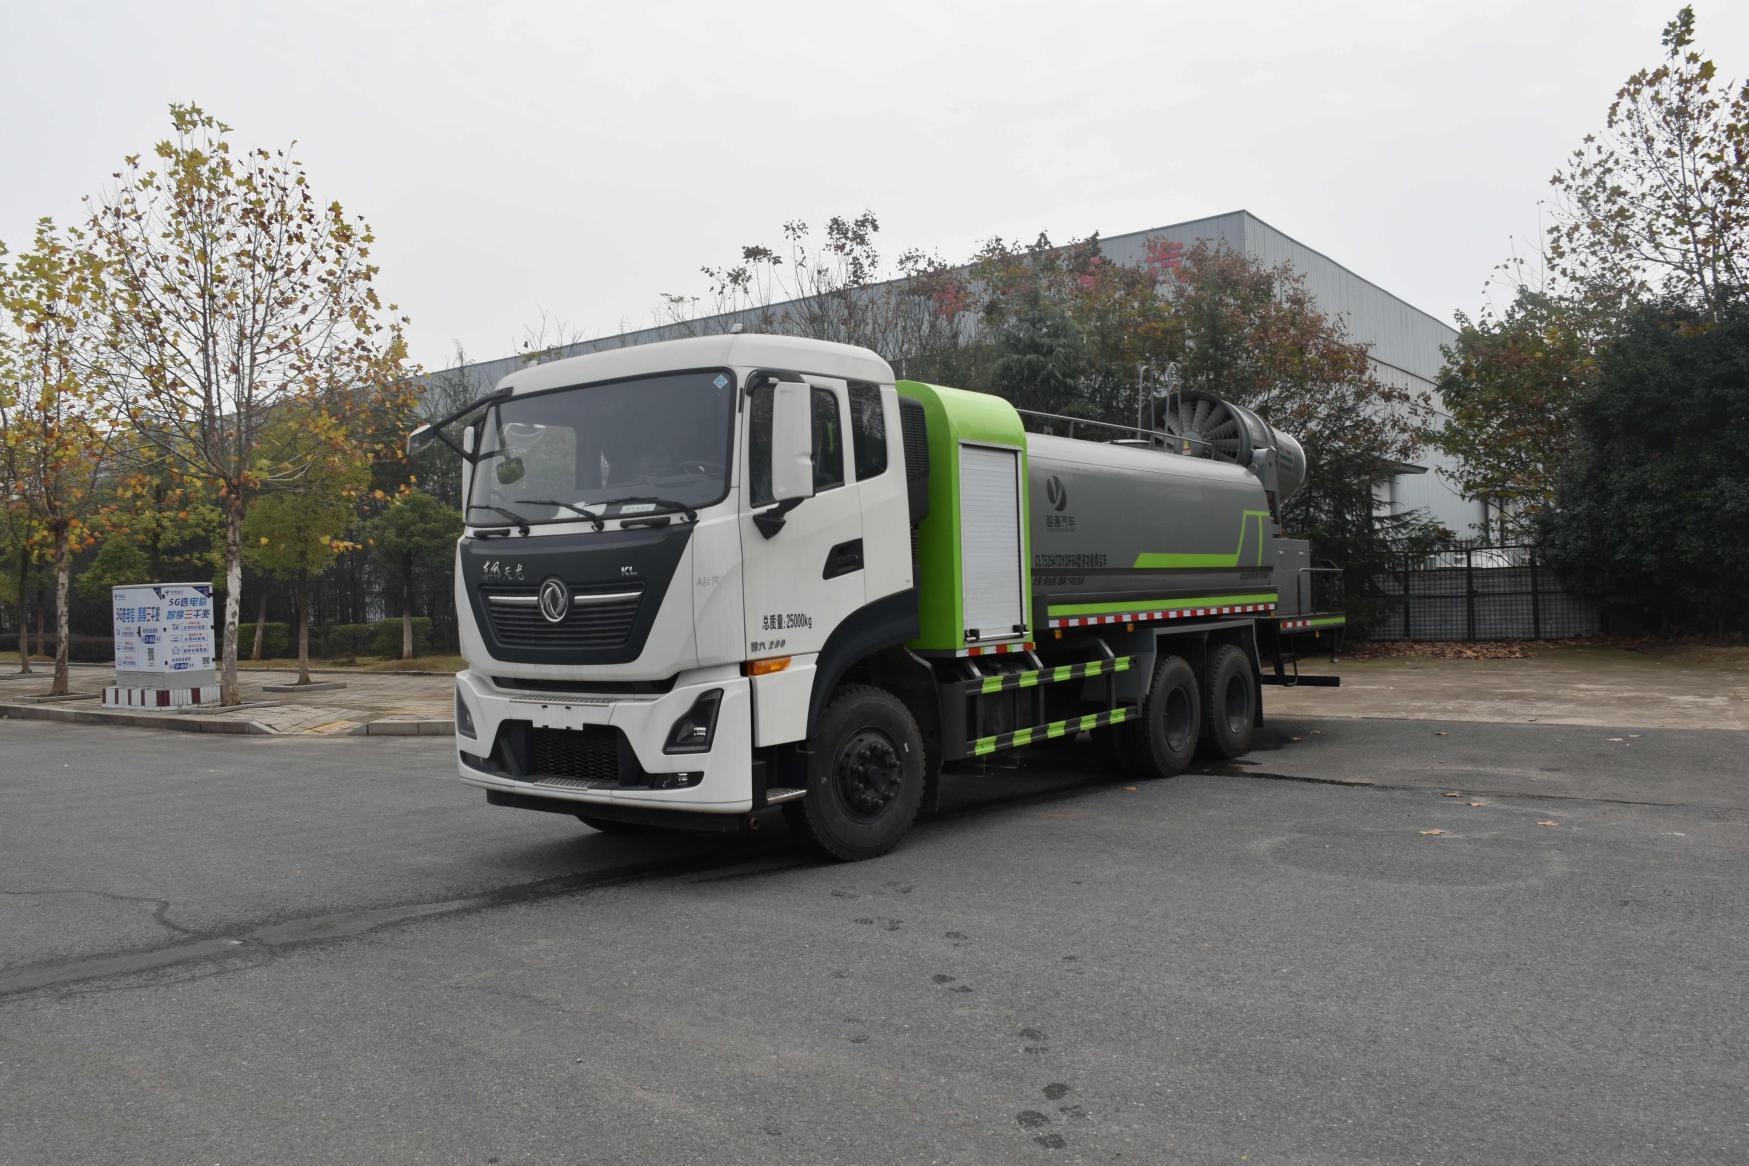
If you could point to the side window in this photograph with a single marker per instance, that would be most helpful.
(868, 426)
(828, 442)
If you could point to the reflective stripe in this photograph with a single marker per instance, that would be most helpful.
(1020, 737)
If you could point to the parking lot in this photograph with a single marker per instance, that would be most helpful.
(245, 949)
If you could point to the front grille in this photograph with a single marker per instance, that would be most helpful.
(587, 625)
(589, 754)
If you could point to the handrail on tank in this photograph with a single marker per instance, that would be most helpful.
(1136, 429)
(1302, 586)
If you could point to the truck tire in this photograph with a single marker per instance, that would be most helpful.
(1229, 702)
(1161, 740)
(865, 776)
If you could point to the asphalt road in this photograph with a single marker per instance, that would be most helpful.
(243, 950)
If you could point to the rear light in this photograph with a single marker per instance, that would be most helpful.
(692, 733)
(464, 719)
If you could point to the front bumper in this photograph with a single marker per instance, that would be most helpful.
(642, 776)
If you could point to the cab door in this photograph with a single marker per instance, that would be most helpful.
(802, 580)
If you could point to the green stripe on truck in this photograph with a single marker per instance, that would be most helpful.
(1247, 519)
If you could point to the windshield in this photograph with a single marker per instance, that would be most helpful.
(657, 444)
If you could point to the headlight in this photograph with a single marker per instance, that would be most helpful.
(693, 731)
(464, 719)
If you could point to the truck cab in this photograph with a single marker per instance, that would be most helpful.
(672, 553)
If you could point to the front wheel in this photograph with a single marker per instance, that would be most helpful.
(865, 776)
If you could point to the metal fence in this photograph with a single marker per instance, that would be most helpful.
(1471, 592)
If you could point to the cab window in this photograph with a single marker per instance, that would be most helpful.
(828, 441)
(868, 428)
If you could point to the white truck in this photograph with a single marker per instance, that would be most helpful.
(707, 577)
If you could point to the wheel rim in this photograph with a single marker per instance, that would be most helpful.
(1178, 719)
(867, 774)
(1237, 702)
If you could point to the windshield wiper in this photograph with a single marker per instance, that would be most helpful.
(520, 522)
(691, 514)
(589, 514)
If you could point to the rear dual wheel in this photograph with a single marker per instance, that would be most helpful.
(1183, 714)
(1229, 702)
(1161, 740)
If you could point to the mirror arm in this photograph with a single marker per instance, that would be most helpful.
(760, 377)
(771, 520)
(437, 426)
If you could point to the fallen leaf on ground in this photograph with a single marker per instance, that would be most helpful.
(1548, 822)
(1616, 739)
(1477, 805)
(1428, 832)
(1451, 793)
(1129, 789)
(1439, 733)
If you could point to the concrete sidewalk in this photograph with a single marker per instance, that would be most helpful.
(372, 703)
(1556, 685)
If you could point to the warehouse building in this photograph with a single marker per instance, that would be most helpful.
(1405, 341)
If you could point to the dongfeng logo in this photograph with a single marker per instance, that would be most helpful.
(555, 600)
(1056, 494)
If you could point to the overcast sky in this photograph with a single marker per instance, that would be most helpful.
(581, 158)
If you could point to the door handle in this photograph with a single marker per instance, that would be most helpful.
(843, 559)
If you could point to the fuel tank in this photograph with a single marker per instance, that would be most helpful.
(1122, 527)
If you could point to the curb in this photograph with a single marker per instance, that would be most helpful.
(425, 728)
(185, 724)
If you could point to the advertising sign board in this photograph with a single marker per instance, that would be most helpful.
(164, 635)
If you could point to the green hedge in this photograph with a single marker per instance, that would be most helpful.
(81, 648)
(369, 639)
(278, 641)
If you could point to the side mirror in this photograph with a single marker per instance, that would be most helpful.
(420, 439)
(792, 442)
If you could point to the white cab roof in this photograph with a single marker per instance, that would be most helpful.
(786, 353)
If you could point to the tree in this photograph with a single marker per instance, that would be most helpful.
(1658, 202)
(1650, 508)
(1509, 386)
(57, 428)
(18, 539)
(152, 528)
(414, 533)
(1038, 357)
(294, 537)
(233, 296)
